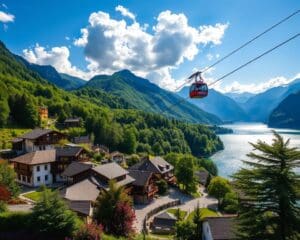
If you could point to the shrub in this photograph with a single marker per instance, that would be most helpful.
(162, 186)
(90, 231)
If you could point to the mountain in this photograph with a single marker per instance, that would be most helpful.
(240, 97)
(144, 95)
(261, 105)
(49, 73)
(287, 113)
(218, 104)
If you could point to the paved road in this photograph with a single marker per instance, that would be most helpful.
(20, 207)
(188, 204)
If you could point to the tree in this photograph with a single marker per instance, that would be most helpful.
(5, 194)
(89, 231)
(185, 173)
(209, 165)
(51, 216)
(133, 159)
(218, 187)
(162, 186)
(4, 112)
(230, 203)
(129, 141)
(172, 158)
(269, 184)
(185, 230)
(7, 179)
(198, 223)
(107, 205)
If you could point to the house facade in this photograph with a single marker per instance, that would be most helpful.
(34, 169)
(117, 157)
(37, 140)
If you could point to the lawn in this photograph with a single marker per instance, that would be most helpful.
(174, 212)
(204, 212)
(7, 134)
(34, 196)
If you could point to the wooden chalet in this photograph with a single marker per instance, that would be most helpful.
(72, 122)
(144, 187)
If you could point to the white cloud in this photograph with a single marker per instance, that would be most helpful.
(209, 57)
(237, 87)
(4, 5)
(111, 45)
(57, 57)
(6, 17)
(125, 12)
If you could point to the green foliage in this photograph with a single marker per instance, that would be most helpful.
(230, 203)
(162, 186)
(268, 186)
(7, 179)
(218, 187)
(133, 159)
(10, 221)
(89, 231)
(185, 230)
(185, 173)
(107, 205)
(197, 221)
(51, 216)
(209, 165)
(204, 212)
(3, 207)
(178, 213)
(129, 142)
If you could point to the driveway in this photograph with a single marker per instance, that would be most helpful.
(20, 207)
(188, 204)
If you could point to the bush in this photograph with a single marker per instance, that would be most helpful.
(10, 221)
(3, 207)
(90, 231)
(162, 186)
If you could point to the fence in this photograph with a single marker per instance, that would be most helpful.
(156, 210)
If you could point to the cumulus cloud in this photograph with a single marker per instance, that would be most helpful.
(110, 44)
(237, 87)
(6, 17)
(125, 12)
(58, 57)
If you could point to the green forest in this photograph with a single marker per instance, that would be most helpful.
(105, 116)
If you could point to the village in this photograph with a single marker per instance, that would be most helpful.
(50, 158)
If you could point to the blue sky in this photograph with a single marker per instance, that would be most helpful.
(164, 40)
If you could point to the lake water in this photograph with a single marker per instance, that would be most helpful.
(237, 144)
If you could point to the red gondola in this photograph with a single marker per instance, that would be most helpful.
(198, 88)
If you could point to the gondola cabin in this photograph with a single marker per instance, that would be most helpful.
(199, 88)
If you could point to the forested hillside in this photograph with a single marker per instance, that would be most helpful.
(143, 95)
(287, 113)
(23, 90)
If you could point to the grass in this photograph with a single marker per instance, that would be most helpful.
(34, 196)
(174, 212)
(7, 134)
(160, 236)
(204, 212)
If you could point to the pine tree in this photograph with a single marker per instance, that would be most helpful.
(267, 208)
(197, 221)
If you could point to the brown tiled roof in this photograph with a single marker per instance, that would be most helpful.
(38, 157)
(36, 133)
(153, 164)
(222, 228)
(141, 177)
(110, 170)
(68, 151)
(75, 168)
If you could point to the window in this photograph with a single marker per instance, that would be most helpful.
(23, 178)
(46, 177)
(46, 167)
(38, 179)
(37, 168)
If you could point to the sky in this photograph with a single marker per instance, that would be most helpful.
(164, 41)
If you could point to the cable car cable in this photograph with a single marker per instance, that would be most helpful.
(243, 45)
(240, 67)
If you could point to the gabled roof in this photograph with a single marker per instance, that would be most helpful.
(85, 190)
(36, 133)
(83, 207)
(222, 227)
(75, 168)
(38, 157)
(141, 177)
(110, 170)
(153, 164)
(68, 151)
(166, 215)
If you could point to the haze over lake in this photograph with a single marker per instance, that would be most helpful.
(237, 144)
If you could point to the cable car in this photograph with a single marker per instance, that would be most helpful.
(198, 88)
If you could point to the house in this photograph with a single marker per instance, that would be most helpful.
(203, 177)
(34, 168)
(37, 139)
(117, 157)
(43, 112)
(82, 140)
(219, 228)
(72, 122)
(158, 166)
(77, 171)
(87, 190)
(163, 223)
(144, 187)
(64, 157)
(100, 149)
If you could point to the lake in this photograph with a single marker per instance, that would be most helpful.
(237, 144)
